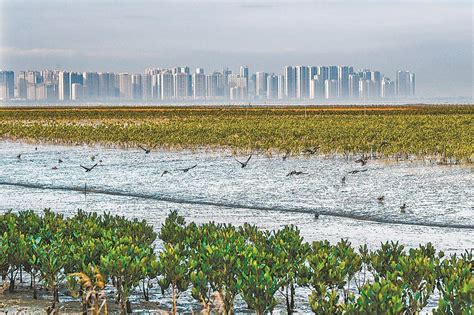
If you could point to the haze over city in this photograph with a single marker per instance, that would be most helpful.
(430, 38)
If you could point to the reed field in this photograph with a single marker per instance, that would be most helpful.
(442, 132)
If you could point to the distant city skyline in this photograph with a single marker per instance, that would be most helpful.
(294, 83)
(432, 38)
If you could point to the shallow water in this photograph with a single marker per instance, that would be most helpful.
(440, 203)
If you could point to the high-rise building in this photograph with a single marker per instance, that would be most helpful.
(64, 86)
(302, 82)
(330, 89)
(290, 82)
(376, 78)
(76, 77)
(261, 85)
(7, 81)
(156, 86)
(125, 86)
(214, 85)
(281, 87)
(333, 73)
(225, 81)
(316, 88)
(323, 73)
(387, 88)
(22, 82)
(353, 86)
(146, 87)
(244, 72)
(106, 85)
(137, 87)
(272, 87)
(199, 85)
(368, 89)
(240, 83)
(405, 86)
(343, 81)
(182, 85)
(167, 85)
(76, 91)
(313, 71)
(40, 92)
(91, 85)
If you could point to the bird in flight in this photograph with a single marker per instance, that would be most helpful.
(88, 169)
(244, 164)
(54, 167)
(295, 173)
(145, 149)
(60, 161)
(357, 171)
(185, 170)
(403, 208)
(381, 198)
(164, 173)
(18, 156)
(363, 160)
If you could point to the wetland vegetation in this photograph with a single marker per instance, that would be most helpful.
(87, 254)
(444, 133)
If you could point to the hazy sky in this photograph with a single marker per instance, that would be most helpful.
(433, 38)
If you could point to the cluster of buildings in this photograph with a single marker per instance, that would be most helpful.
(180, 84)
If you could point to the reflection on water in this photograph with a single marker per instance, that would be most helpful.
(439, 199)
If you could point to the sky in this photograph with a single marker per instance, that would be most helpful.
(432, 38)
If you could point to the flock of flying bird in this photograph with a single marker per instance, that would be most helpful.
(362, 161)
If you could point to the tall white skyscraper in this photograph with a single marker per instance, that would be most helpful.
(64, 86)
